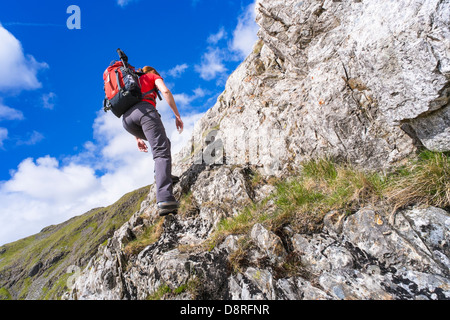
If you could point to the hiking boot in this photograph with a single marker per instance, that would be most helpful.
(168, 207)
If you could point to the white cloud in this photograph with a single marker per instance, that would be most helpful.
(212, 64)
(48, 100)
(183, 99)
(17, 71)
(3, 136)
(45, 179)
(215, 38)
(199, 93)
(178, 70)
(239, 47)
(124, 3)
(33, 138)
(178, 141)
(245, 33)
(7, 113)
(46, 191)
(42, 193)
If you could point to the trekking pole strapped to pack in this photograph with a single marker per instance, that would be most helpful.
(123, 57)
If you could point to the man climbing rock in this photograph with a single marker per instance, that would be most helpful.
(144, 122)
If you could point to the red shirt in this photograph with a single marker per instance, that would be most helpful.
(147, 85)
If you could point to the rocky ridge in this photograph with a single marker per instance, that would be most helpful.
(362, 256)
(360, 81)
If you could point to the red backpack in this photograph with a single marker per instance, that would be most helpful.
(121, 86)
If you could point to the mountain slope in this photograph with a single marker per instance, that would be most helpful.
(37, 267)
(328, 232)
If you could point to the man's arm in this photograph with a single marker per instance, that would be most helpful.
(171, 101)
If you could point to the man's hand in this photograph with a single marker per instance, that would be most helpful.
(179, 124)
(141, 145)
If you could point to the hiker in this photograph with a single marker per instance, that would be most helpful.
(144, 122)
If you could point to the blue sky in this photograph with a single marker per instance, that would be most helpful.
(61, 155)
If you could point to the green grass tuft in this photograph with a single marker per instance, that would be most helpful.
(323, 186)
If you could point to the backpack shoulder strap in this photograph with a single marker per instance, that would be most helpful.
(117, 78)
(155, 89)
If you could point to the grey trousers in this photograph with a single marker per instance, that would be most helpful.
(143, 121)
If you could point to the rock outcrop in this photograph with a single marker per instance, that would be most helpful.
(358, 80)
(363, 256)
(361, 81)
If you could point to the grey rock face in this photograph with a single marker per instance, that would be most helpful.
(394, 57)
(365, 81)
(362, 256)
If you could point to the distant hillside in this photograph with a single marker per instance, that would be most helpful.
(37, 267)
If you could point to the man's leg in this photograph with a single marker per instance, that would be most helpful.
(159, 143)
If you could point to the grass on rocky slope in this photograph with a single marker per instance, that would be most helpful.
(323, 186)
(146, 237)
(151, 233)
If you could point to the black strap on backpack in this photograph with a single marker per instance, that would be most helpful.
(155, 89)
(157, 92)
